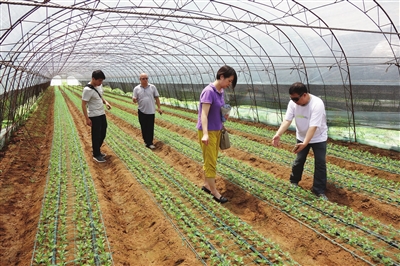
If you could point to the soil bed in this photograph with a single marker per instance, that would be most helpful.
(137, 229)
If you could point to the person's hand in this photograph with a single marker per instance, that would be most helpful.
(299, 147)
(204, 139)
(275, 140)
(134, 100)
(108, 106)
(88, 122)
(160, 111)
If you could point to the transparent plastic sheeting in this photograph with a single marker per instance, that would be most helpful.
(346, 52)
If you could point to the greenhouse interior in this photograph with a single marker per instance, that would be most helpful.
(347, 53)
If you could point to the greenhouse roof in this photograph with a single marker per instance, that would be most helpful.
(267, 42)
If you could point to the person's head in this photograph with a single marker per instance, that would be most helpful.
(227, 77)
(298, 92)
(97, 78)
(144, 79)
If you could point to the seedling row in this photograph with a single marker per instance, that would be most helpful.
(71, 228)
(370, 240)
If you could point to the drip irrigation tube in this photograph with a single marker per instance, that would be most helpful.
(183, 190)
(183, 237)
(389, 242)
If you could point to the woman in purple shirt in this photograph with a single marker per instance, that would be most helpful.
(209, 125)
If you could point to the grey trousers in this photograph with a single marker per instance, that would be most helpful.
(320, 178)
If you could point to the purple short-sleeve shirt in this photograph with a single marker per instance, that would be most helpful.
(212, 96)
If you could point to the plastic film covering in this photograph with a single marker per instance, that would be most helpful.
(346, 52)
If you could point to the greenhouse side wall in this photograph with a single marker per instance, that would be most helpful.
(374, 108)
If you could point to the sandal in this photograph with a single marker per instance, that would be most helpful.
(205, 189)
(221, 200)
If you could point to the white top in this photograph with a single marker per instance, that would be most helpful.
(312, 114)
(94, 102)
(145, 98)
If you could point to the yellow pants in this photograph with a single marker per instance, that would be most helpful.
(210, 152)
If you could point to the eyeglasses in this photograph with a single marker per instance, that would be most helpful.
(144, 78)
(296, 99)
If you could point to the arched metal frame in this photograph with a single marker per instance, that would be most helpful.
(186, 42)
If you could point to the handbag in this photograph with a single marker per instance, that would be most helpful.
(224, 142)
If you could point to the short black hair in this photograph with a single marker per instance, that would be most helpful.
(298, 88)
(98, 74)
(227, 72)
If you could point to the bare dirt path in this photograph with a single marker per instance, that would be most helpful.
(23, 170)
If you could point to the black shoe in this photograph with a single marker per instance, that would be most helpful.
(322, 196)
(99, 159)
(206, 190)
(221, 200)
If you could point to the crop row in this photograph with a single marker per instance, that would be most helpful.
(384, 190)
(375, 239)
(353, 155)
(217, 236)
(71, 228)
(341, 224)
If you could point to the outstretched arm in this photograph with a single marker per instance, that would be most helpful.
(284, 126)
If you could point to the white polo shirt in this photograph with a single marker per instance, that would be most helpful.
(146, 98)
(312, 114)
(94, 102)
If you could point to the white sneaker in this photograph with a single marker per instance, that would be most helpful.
(152, 146)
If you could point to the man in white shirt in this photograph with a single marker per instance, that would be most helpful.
(145, 94)
(93, 110)
(311, 132)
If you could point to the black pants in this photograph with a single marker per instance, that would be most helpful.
(147, 126)
(320, 176)
(99, 130)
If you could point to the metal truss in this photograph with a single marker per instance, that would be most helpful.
(181, 44)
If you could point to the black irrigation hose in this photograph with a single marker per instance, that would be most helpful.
(158, 205)
(370, 182)
(322, 211)
(182, 236)
(54, 251)
(326, 237)
(44, 196)
(202, 205)
(92, 227)
(215, 217)
(343, 175)
(378, 236)
(372, 233)
(382, 238)
(304, 202)
(378, 196)
(370, 158)
(331, 147)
